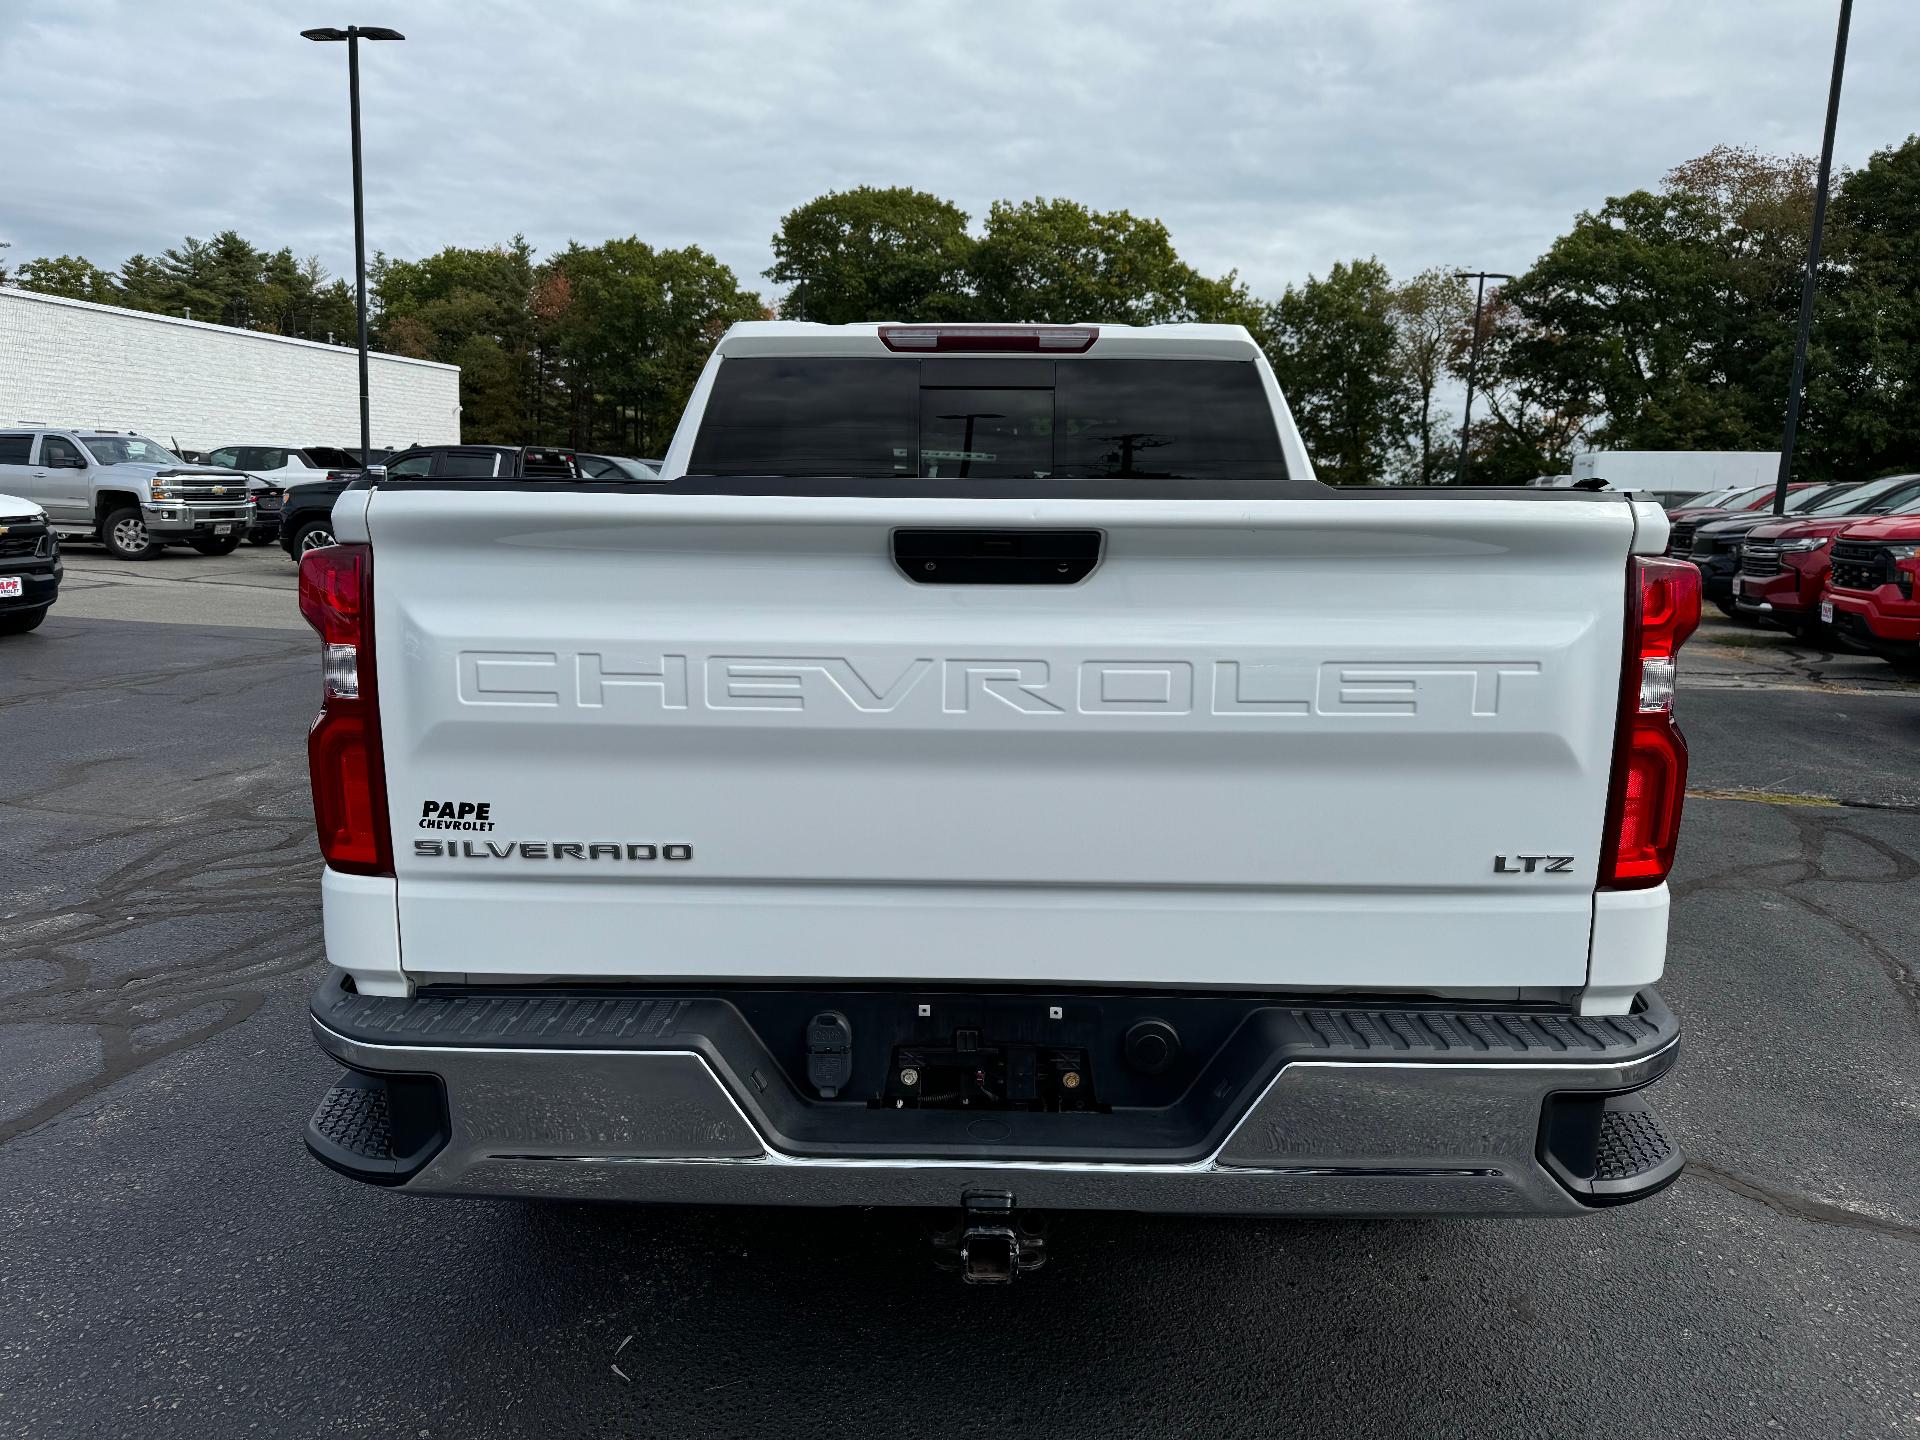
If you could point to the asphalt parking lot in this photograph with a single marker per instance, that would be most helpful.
(171, 1262)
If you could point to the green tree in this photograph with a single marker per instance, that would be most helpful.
(217, 280)
(73, 276)
(143, 285)
(1673, 311)
(1333, 346)
(1530, 420)
(463, 306)
(1862, 406)
(629, 328)
(873, 254)
(1431, 315)
(1057, 261)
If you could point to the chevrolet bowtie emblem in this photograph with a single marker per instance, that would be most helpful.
(4, 529)
(219, 489)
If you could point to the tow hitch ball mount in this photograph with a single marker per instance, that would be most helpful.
(989, 1242)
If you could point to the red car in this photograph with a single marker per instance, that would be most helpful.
(1688, 518)
(1783, 564)
(1870, 590)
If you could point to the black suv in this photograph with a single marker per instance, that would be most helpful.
(29, 566)
(306, 515)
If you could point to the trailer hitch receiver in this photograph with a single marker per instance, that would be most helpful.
(990, 1243)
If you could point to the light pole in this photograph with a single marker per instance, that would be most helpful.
(966, 445)
(353, 35)
(1473, 360)
(1805, 327)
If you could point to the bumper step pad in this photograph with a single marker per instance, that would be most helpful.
(1608, 1149)
(353, 1118)
(379, 1128)
(1631, 1144)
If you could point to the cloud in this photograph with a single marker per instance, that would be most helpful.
(1273, 139)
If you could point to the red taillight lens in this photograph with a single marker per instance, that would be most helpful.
(1649, 755)
(343, 748)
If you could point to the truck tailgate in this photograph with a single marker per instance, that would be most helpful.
(1266, 744)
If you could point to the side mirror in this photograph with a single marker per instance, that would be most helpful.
(69, 462)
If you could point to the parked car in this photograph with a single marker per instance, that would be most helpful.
(306, 516)
(1716, 541)
(1784, 562)
(1682, 523)
(934, 797)
(1870, 596)
(29, 565)
(1707, 501)
(618, 467)
(130, 493)
(272, 468)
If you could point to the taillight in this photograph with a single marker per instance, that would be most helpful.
(1649, 753)
(343, 748)
(991, 339)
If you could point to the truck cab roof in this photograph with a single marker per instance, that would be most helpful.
(1170, 342)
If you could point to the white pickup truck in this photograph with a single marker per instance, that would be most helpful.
(988, 771)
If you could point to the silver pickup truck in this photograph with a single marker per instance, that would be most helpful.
(130, 493)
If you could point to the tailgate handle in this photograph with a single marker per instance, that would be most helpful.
(996, 557)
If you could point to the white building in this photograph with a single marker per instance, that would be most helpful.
(71, 362)
(1678, 472)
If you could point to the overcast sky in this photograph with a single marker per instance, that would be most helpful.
(1273, 138)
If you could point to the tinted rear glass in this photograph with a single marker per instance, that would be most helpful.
(14, 448)
(989, 422)
(328, 457)
(465, 463)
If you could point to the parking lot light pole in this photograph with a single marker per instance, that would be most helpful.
(1473, 359)
(353, 35)
(1805, 327)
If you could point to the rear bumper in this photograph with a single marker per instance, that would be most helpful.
(1303, 1110)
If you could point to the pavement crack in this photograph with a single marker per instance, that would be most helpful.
(233, 860)
(1791, 797)
(1801, 1207)
(1814, 827)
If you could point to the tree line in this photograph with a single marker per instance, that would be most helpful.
(1664, 319)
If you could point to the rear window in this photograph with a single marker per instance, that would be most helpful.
(328, 457)
(988, 423)
(14, 448)
(466, 464)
